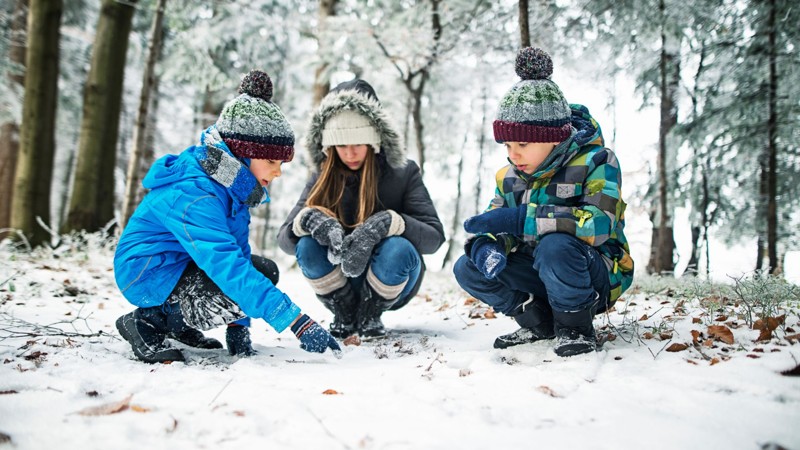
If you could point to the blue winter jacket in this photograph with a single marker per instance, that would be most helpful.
(188, 215)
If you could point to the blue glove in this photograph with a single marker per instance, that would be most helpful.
(488, 255)
(314, 338)
(500, 220)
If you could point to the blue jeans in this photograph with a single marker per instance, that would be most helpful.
(394, 260)
(567, 271)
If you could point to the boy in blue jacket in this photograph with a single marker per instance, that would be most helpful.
(550, 251)
(184, 258)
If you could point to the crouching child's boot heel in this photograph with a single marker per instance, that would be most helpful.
(237, 337)
(536, 323)
(146, 330)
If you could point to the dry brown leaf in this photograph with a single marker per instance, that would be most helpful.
(489, 314)
(696, 320)
(752, 356)
(695, 336)
(708, 343)
(692, 362)
(721, 333)
(647, 335)
(721, 318)
(470, 301)
(139, 409)
(665, 336)
(546, 390)
(714, 361)
(793, 337)
(108, 408)
(643, 318)
(792, 372)
(331, 392)
(354, 340)
(444, 307)
(677, 347)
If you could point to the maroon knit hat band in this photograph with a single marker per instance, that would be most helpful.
(255, 150)
(505, 131)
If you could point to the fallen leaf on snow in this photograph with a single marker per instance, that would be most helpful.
(767, 326)
(331, 392)
(548, 391)
(470, 300)
(10, 391)
(792, 372)
(677, 347)
(696, 336)
(647, 335)
(139, 409)
(793, 337)
(643, 318)
(108, 408)
(352, 340)
(714, 361)
(489, 314)
(696, 320)
(721, 333)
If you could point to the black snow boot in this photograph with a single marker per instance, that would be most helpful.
(343, 303)
(238, 339)
(536, 323)
(178, 329)
(574, 332)
(146, 330)
(369, 312)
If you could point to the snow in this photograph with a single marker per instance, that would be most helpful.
(436, 382)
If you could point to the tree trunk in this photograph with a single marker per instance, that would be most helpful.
(481, 153)
(669, 68)
(322, 86)
(37, 132)
(416, 119)
(9, 131)
(133, 180)
(694, 258)
(524, 32)
(92, 203)
(456, 216)
(772, 148)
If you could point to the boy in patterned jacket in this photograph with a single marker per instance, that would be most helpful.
(550, 250)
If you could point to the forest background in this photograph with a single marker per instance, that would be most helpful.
(699, 99)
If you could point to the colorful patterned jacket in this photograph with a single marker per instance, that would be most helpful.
(578, 193)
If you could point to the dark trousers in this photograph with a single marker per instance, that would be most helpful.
(203, 303)
(568, 272)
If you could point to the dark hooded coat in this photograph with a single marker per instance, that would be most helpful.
(400, 186)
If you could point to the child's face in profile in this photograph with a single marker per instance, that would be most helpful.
(352, 156)
(265, 170)
(527, 156)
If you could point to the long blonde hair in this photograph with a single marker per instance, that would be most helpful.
(328, 191)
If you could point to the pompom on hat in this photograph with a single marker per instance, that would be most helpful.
(254, 127)
(534, 110)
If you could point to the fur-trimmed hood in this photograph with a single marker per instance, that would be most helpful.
(356, 95)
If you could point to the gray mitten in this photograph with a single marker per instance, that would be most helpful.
(357, 246)
(323, 228)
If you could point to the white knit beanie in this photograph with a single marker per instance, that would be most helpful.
(350, 128)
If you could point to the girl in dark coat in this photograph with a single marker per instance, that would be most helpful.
(364, 217)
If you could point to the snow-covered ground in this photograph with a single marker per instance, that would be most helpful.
(435, 382)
